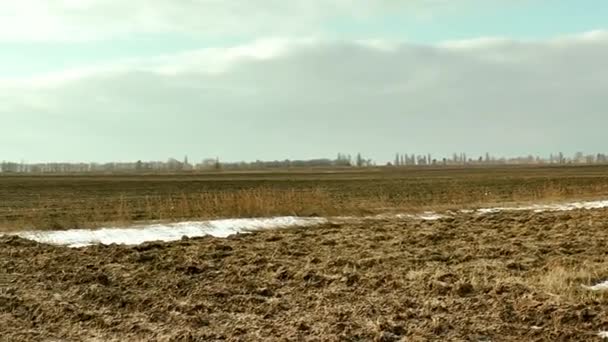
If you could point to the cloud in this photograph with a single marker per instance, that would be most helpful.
(306, 98)
(81, 20)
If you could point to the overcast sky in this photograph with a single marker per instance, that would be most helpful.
(101, 80)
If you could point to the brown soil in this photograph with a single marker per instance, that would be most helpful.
(499, 277)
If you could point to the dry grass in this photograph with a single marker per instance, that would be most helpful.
(77, 202)
(260, 202)
(240, 203)
(567, 280)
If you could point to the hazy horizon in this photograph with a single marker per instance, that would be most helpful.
(105, 80)
(193, 160)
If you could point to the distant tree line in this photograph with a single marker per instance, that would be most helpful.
(406, 159)
(174, 165)
(341, 161)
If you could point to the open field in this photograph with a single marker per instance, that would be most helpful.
(470, 276)
(511, 276)
(62, 202)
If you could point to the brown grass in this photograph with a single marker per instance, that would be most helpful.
(76, 202)
(567, 280)
(260, 202)
(239, 203)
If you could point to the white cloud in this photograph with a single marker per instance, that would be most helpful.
(74, 20)
(208, 60)
(281, 98)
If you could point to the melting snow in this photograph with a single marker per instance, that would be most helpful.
(603, 286)
(224, 228)
(603, 334)
(548, 207)
(426, 216)
(164, 232)
(430, 216)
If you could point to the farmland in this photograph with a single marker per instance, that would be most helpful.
(500, 276)
(63, 202)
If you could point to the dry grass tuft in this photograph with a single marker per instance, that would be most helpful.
(568, 281)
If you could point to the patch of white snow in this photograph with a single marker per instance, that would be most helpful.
(603, 286)
(430, 216)
(548, 207)
(164, 232)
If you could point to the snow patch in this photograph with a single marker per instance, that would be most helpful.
(164, 232)
(426, 216)
(430, 216)
(603, 334)
(224, 228)
(603, 286)
(539, 208)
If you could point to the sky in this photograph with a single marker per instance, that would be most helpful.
(113, 80)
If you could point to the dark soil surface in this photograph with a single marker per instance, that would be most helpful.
(499, 277)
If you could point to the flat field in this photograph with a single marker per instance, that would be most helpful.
(502, 276)
(77, 201)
